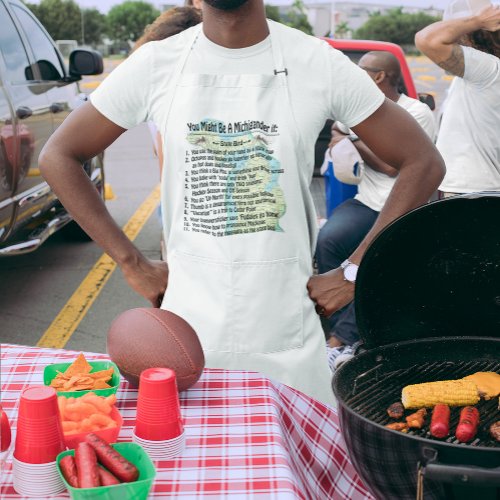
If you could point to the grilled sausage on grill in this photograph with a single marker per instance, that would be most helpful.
(440, 421)
(467, 425)
(495, 430)
(416, 420)
(396, 410)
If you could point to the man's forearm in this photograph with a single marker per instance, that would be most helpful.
(446, 32)
(78, 195)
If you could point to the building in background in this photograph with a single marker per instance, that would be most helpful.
(328, 17)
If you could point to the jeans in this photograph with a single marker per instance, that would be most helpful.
(337, 239)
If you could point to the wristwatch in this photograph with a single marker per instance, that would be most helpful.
(350, 270)
(353, 137)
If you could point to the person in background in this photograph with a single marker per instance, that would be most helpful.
(168, 23)
(467, 44)
(353, 218)
(239, 114)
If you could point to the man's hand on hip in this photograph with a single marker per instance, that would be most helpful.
(330, 291)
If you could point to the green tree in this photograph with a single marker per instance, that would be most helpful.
(273, 13)
(94, 26)
(394, 26)
(126, 21)
(296, 17)
(342, 30)
(61, 18)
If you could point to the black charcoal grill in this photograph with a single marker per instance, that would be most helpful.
(428, 308)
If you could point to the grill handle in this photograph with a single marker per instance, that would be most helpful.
(462, 474)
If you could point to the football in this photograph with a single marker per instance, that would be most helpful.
(148, 338)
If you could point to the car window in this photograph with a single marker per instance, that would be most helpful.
(13, 51)
(45, 54)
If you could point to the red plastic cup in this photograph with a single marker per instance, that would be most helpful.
(5, 435)
(158, 409)
(39, 437)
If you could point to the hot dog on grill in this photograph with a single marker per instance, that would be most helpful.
(68, 469)
(440, 421)
(112, 460)
(86, 466)
(467, 425)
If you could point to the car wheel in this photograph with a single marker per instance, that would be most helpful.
(72, 231)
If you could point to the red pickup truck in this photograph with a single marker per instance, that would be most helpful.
(355, 49)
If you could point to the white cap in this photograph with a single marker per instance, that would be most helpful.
(464, 8)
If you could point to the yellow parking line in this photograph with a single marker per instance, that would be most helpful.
(427, 78)
(70, 316)
(90, 85)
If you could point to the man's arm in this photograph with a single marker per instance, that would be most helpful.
(373, 160)
(439, 41)
(364, 151)
(395, 137)
(84, 134)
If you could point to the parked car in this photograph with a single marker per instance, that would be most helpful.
(37, 92)
(355, 49)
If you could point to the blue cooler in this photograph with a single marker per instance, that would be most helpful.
(335, 191)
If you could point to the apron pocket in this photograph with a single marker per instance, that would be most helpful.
(198, 291)
(268, 296)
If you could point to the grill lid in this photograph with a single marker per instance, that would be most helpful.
(434, 272)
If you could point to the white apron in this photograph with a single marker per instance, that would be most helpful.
(237, 220)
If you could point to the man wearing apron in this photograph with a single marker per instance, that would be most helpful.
(240, 102)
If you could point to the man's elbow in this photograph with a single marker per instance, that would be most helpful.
(437, 167)
(47, 160)
(422, 42)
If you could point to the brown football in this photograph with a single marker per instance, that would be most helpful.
(147, 338)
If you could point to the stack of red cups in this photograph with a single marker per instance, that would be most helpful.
(39, 439)
(158, 425)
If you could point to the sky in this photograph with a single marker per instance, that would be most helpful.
(105, 5)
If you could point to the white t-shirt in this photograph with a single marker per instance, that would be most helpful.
(374, 187)
(469, 137)
(323, 82)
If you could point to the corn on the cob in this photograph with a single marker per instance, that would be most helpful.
(449, 392)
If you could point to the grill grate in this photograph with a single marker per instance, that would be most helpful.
(376, 389)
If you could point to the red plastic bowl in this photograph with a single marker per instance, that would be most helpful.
(109, 435)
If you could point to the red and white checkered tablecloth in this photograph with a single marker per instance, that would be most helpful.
(247, 436)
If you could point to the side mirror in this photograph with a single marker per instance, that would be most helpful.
(428, 99)
(85, 62)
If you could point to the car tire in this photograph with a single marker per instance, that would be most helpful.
(72, 230)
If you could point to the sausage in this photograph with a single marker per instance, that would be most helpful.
(467, 424)
(107, 479)
(68, 469)
(440, 421)
(112, 460)
(86, 466)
